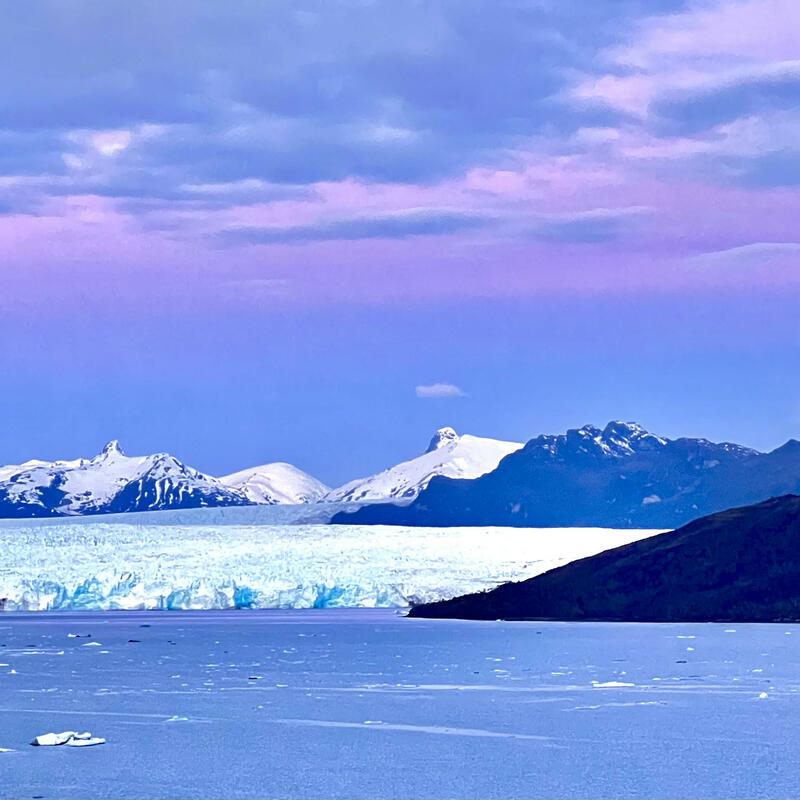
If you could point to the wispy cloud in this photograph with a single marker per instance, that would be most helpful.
(733, 95)
(439, 390)
(593, 225)
(747, 256)
(391, 225)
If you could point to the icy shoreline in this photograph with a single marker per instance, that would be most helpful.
(100, 567)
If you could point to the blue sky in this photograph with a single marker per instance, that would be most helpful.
(258, 244)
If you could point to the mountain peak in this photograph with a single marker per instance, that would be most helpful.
(442, 437)
(627, 430)
(112, 449)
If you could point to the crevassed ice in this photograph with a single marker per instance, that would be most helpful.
(100, 566)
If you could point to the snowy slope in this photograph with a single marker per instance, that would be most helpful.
(448, 454)
(276, 483)
(9, 470)
(97, 566)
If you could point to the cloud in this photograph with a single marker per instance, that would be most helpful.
(711, 92)
(371, 90)
(747, 256)
(586, 227)
(776, 168)
(439, 390)
(756, 90)
(376, 106)
(392, 225)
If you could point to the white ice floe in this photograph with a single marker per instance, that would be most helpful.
(611, 684)
(105, 567)
(82, 741)
(69, 738)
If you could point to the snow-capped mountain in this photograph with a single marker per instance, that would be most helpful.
(620, 476)
(448, 454)
(109, 482)
(112, 482)
(276, 483)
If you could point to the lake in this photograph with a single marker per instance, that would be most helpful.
(366, 703)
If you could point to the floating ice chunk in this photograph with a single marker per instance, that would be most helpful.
(69, 738)
(82, 742)
(611, 684)
(6, 750)
(54, 739)
(763, 696)
(92, 644)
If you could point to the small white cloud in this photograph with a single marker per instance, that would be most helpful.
(439, 390)
(109, 143)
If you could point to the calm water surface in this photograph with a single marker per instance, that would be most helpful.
(369, 704)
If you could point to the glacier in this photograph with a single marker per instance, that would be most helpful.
(158, 565)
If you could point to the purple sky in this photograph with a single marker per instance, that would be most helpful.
(247, 232)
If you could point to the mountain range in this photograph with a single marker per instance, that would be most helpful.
(113, 482)
(620, 476)
(739, 565)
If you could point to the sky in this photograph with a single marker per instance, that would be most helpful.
(312, 232)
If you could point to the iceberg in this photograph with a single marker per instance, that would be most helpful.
(98, 566)
(68, 738)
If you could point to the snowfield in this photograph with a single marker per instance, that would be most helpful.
(100, 566)
(276, 483)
